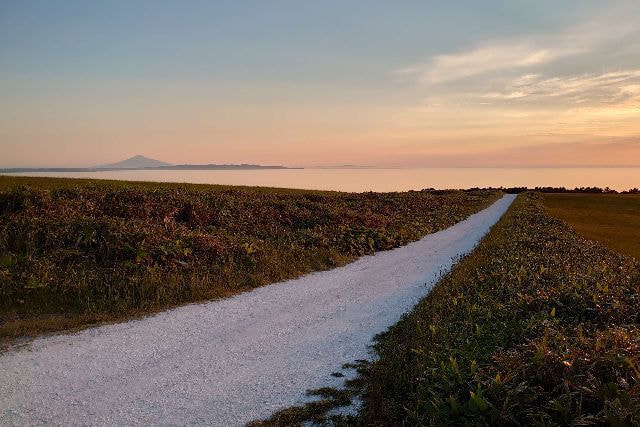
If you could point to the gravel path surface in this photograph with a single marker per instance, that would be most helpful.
(229, 361)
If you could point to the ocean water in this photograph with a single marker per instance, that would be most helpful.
(378, 179)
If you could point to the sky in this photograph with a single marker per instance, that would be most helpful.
(506, 83)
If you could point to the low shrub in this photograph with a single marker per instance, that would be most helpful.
(76, 252)
(537, 326)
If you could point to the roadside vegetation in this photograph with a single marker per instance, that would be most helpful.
(77, 252)
(536, 326)
(612, 219)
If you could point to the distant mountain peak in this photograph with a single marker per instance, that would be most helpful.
(135, 162)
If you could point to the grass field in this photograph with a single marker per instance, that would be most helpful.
(537, 326)
(77, 252)
(613, 219)
(9, 182)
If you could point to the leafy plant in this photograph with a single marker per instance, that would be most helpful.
(547, 333)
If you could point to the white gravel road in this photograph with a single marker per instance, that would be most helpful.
(229, 361)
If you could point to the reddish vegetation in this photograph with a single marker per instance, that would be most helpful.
(74, 254)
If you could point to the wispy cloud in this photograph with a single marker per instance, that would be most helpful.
(608, 88)
(491, 57)
(514, 55)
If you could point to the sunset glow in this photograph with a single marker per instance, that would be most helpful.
(415, 84)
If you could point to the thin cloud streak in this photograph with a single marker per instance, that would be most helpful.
(493, 97)
(445, 68)
(606, 88)
(513, 55)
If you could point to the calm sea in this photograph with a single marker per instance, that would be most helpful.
(385, 179)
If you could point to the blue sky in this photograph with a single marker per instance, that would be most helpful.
(390, 83)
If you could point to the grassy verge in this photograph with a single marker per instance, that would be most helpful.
(613, 219)
(76, 252)
(537, 325)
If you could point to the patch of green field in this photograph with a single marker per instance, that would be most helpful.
(612, 219)
(536, 326)
(77, 252)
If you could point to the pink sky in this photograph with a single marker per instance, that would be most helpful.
(540, 85)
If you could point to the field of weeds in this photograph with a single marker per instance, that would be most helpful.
(76, 252)
(536, 326)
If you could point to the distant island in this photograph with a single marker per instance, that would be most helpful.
(135, 162)
(145, 163)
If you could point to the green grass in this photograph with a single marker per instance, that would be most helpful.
(77, 252)
(537, 326)
(612, 219)
(315, 411)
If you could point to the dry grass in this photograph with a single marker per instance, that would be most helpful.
(612, 219)
(77, 252)
(537, 326)
(9, 182)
